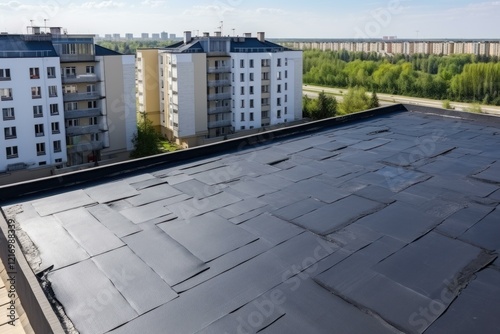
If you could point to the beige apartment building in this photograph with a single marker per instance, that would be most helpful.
(212, 87)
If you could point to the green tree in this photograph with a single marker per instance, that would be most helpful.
(374, 103)
(146, 141)
(355, 100)
(326, 106)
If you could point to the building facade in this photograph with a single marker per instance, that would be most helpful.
(215, 86)
(65, 101)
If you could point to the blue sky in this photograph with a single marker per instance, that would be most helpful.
(304, 19)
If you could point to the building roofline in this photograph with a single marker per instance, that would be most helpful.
(32, 187)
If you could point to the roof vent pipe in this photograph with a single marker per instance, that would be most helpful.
(261, 36)
(218, 34)
(248, 34)
(206, 34)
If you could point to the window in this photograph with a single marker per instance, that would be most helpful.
(57, 146)
(34, 73)
(286, 61)
(286, 98)
(286, 110)
(242, 103)
(70, 71)
(54, 109)
(51, 72)
(251, 90)
(242, 117)
(279, 88)
(6, 94)
(265, 62)
(8, 114)
(265, 101)
(251, 76)
(40, 149)
(93, 121)
(92, 104)
(286, 74)
(242, 63)
(278, 101)
(242, 90)
(232, 63)
(42, 163)
(52, 91)
(68, 106)
(95, 136)
(55, 128)
(251, 103)
(251, 116)
(242, 77)
(279, 62)
(11, 152)
(242, 127)
(286, 85)
(232, 77)
(4, 74)
(36, 92)
(37, 111)
(278, 75)
(73, 122)
(265, 76)
(265, 114)
(59, 160)
(265, 89)
(251, 63)
(10, 132)
(279, 113)
(39, 130)
(91, 89)
(90, 69)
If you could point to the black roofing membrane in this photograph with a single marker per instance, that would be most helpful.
(384, 225)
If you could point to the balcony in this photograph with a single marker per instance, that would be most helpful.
(219, 69)
(83, 113)
(83, 78)
(265, 120)
(73, 97)
(219, 96)
(219, 124)
(82, 130)
(85, 146)
(65, 58)
(219, 83)
(219, 110)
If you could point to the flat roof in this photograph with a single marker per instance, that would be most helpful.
(380, 224)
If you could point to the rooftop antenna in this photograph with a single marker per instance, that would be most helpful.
(233, 31)
(45, 24)
(221, 26)
(417, 33)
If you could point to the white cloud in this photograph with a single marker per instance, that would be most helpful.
(153, 3)
(270, 11)
(102, 4)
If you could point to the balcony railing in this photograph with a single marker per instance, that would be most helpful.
(76, 58)
(219, 96)
(72, 97)
(83, 78)
(219, 83)
(219, 110)
(85, 146)
(83, 130)
(219, 124)
(219, 69)
(83, 113)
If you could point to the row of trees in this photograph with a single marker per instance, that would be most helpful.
(459, 77)
(326, 106)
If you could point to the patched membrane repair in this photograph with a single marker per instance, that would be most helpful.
(384, 225)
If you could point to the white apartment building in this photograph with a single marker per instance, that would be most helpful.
(214, 86)
(31, 100)
(65, 101)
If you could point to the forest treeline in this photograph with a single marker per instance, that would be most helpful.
(130, 47)
(465, 78)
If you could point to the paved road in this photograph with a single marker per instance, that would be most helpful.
(387, 99)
